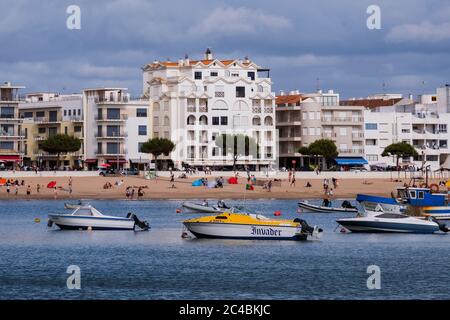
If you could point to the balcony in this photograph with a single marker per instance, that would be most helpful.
(104, 100)
(105, 118)
(329, 135)
(76, 119)
(9, 118)
(357, 135)
(268, 109)
(191, 109)
(352, 151)
(10, 135)
(256, 109)
(47, 120)
(102, 153)
(121, 135)
(342, 119)
(40, 137)
(203, 109)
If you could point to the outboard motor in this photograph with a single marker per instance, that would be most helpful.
(144, 225)
(442, 226)
(306, 228)
(50, 223)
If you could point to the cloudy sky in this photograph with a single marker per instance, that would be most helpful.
(300, 41)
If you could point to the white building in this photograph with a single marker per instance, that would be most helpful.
(194, 101)
(114, 127)
(423, 124)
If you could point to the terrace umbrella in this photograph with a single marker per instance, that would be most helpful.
(105, 165)
(51, 184)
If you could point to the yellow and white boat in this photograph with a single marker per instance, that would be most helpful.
(249, 227)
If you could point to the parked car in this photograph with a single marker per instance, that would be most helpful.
(106, 172)
(130, 172)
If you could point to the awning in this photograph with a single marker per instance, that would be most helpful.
(350, 161)
(90, 161)
(10, 158)
(120, 161)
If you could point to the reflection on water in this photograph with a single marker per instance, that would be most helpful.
(159, 264)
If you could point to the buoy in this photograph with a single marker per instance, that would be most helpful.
(37, 220)
(178, 211)
(299, 210)
(89, 228)
(343, 230)
(277, 213)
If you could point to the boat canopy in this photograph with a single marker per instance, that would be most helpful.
(351, 161)
(86, 211)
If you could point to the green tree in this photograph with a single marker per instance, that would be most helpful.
(59, 144)
(157, 147)
(237, 145)
(320, 148)
(399, 150)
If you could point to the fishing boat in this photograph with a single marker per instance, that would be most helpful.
(250, 227)
(89, 218)
(380, 221)
(197, 207)
(305, 205)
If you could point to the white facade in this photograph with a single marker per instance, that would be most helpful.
(417, 123)
(195, 101)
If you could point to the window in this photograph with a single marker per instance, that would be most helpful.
(111, 113)
(421, 195)
(311, 115)
(224, 121)
(28, 114)
(443, 128)
(251, 75)
(112, 148)
(343, 131)
(372, 157)
(141, 112)
(371, 142)
(39, 114)
(65, 112)
(371, 126)
(140, 144)
(7, 145)
(305, 131)
(65, 130)
(240, 92)
(305, 115)
(197, 75)
(7, 112)
(77, 129)
(215, 121)
(70, 113)
(156, 121)
(142, 130)
(214, 74)
(79, 112)
(432, 157)
(406, 131)
(112, 131)
(311, 131)
(219, 91)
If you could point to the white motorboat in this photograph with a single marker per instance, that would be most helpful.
(380, 221)
(305, 205)
(89, 218)
(203, 208)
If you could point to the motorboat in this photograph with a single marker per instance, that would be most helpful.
(380, 221)
(197, 207)
(88, 218)
(406, 196)
(346, 207)
(73, 205)
(250, 227)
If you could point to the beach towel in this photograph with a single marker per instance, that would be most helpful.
(233, 180)
(2, 181)
(197, 183)
(249, 187)
(51, 184)
(212, 184)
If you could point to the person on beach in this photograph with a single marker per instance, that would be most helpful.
(28, 190)
(8, 188)
(289, 175)
(70, 181)
(308, 185)
(292, 179)
(334, 181)
(132, 193)
(269, 186)
(38, 188)
(16, 190)
(140, 193)
(55, 193)
(127, 193)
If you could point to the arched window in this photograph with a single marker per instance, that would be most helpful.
(155, 106)
(167, 121)
(268, 121)
(256, 121)
(241, 105)
(203, 120)
(220, 105)
(191, 120)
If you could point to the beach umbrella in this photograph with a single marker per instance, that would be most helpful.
(105, 165)
(51, 184)
(447, 184)
(2, 182)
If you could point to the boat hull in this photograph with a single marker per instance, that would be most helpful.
(69, 222)
(315, 208)
(201, 208)
(244, 231)
(362, 225)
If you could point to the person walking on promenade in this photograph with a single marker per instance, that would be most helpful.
(293, 181)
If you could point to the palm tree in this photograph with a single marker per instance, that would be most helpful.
(157, 147)
(60, 143)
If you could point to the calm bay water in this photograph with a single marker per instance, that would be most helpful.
(159, 264)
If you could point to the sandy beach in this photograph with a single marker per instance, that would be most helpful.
(92, 188)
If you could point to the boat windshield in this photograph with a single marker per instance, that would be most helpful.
(391, 216)
(83, 211)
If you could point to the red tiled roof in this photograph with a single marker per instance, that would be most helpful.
(370, 103)
(288, 99)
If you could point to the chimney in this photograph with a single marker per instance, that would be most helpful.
(208, 54)
(186, 60)
(281, 93)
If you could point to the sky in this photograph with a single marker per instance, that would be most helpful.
(306, 44)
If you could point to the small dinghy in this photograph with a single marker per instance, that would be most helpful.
(89, 218)
(197, 207)
(346, 207)
(73, 205)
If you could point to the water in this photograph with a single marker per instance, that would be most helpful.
(160, 265)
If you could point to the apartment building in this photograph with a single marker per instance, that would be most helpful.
(10, 126)
(115, 126)
(194, 101)
(304, 118)
(422, 123)
(44, 115)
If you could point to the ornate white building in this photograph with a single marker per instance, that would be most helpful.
(194, 101)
